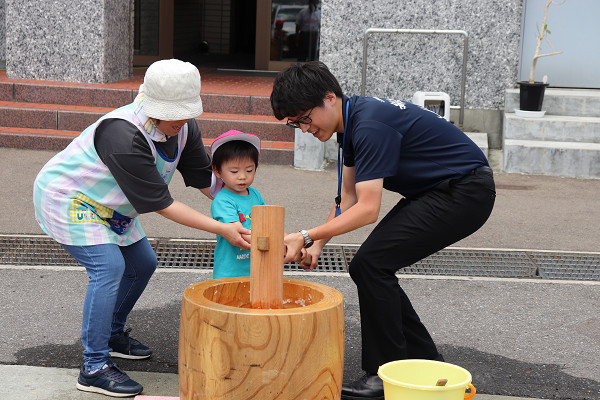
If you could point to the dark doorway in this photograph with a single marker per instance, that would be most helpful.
(215, 33)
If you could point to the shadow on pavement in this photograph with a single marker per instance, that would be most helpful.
(492, 374)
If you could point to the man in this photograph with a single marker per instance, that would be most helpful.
(448, 191)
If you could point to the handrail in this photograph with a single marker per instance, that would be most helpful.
(421, 31)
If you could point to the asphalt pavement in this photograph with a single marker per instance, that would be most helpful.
(519, 338)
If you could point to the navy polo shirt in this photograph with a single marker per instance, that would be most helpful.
(411, 148)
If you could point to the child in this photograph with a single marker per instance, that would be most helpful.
(234, 163)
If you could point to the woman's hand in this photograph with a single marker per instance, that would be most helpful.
(185, 215)
(237, 235)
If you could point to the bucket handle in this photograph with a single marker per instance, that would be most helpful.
(472, 394)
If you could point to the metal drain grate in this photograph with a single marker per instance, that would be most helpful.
(33, 250)
(459, 262)
(332, 259)
(198, 254)
(475, 263)
(568, 266)
(185, 254)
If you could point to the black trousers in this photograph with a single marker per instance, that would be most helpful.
(307, 47)
(411, 231)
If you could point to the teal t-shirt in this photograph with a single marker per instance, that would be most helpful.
(228, 207)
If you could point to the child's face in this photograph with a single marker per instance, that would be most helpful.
(238, 174)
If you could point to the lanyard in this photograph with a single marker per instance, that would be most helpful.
(338, 199)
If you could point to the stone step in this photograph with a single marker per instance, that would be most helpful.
(481, 140)
(569, 159)
(35, 139)
(557, 128)
(272, 152)
(65, 93)
(49, 114)
(570, 102)
(267, 128)
(90, 95)
(77, 118)
(560, 145)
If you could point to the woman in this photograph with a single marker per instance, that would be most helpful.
(89, 195)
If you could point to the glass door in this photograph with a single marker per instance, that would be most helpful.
(153, 31)
(289, 33)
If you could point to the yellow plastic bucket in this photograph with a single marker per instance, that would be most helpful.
(418, 380)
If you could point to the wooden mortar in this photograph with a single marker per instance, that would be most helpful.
(229, 349)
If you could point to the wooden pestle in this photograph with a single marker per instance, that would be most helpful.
(266, 257)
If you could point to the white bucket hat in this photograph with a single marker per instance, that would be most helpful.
(172, 91)
(217, 184)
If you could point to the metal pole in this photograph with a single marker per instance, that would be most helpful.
(421, 31)
(463, 81)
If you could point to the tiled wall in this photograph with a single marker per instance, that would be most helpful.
(399, 65)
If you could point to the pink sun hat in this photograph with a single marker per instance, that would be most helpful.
(217, 183)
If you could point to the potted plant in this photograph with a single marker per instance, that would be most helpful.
(531, 92)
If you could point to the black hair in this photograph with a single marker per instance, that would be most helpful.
(301, 87)
(233, 150)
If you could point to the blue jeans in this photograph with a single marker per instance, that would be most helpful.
(118, 276)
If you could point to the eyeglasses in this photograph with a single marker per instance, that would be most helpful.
(302, 120)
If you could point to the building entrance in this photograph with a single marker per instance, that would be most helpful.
(226, 34)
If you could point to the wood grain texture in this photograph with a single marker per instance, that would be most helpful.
(228, 350)
(266, 266)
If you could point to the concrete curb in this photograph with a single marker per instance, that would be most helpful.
(19, 382)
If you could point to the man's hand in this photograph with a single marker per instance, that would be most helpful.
(294, 242)
(310, 257)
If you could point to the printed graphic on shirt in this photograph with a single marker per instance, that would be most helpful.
(82, 214)
(244, 218)
(85, 210)
(401, 105)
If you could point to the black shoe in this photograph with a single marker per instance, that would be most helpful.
(370, 386)
(123, 346)
(109, 380)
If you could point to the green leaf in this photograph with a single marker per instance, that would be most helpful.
(548, 31)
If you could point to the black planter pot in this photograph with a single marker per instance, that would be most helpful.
(531, 95)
